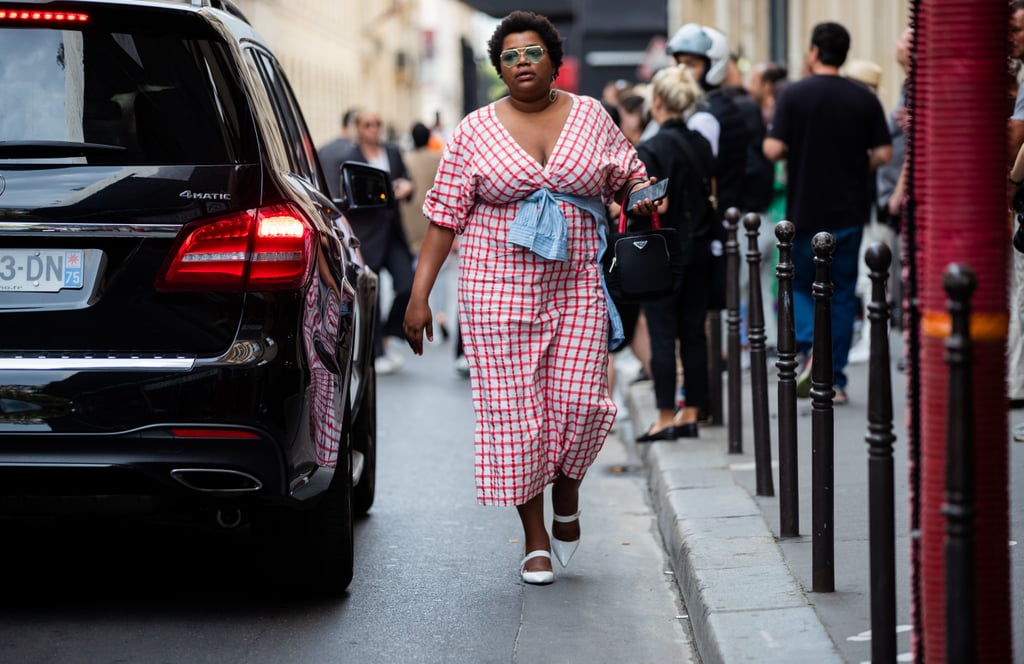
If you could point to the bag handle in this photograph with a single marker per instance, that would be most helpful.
(655, 220)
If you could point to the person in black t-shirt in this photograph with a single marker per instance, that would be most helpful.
(833, 133)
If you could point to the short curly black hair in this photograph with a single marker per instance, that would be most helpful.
(520, 21)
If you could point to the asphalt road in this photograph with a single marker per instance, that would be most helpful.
(436, 575)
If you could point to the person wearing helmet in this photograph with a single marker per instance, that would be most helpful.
(705, 52)
(702, 49)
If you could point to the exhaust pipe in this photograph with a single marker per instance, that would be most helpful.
(217, 480)
(229, 517)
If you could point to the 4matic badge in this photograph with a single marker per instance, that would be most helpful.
(204, 195)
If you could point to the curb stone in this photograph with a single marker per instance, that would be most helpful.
(744, 603)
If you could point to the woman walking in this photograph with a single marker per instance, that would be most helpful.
(525, 181)
(676, 324)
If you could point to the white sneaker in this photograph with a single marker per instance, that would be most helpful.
(396, 359)
(861, 351)
(384, 365)
(626, 363)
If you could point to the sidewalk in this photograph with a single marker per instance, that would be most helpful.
(748, 591)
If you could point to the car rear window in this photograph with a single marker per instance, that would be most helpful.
(106, 92)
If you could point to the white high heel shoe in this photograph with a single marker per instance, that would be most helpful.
(541, 578)
(564, 548)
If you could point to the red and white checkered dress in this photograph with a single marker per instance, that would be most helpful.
(535, 330)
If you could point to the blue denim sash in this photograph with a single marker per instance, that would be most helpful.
(541, 227)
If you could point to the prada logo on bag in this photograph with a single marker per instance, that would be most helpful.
(640, 244)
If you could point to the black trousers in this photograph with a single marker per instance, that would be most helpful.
(681, 319)
(398, 263)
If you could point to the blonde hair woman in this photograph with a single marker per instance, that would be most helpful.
(676, 91)
(685, 158)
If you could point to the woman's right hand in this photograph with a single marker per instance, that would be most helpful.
(418, 317)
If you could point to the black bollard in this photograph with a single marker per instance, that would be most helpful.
(732, 305)
(822, 422)
(881, 504)
(758, 361)
(961, 635)
(789, 484)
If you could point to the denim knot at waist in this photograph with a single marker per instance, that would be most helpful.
(541, 227)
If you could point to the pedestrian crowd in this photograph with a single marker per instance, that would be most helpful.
(503, 222)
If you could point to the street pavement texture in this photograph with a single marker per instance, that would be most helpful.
(748, 591)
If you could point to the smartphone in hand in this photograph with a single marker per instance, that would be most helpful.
(655, 192)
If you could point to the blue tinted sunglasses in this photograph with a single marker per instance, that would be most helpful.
(510, 57)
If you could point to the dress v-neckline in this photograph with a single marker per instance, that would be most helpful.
(558, 142)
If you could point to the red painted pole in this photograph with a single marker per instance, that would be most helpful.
(959, 108)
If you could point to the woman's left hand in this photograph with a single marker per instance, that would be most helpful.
(646, 206)
(418, 318)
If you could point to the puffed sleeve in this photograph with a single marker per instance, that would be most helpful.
(621, 161)
(450, 200)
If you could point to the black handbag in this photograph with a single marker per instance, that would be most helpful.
(640, 266)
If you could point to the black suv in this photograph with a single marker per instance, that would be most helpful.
(185, 320)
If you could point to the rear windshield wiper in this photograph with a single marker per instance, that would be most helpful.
(44, 149)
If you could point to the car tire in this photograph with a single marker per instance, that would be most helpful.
(328, 534)
(318, 537)
(364, 440)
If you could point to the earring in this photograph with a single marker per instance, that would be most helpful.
(552, 95)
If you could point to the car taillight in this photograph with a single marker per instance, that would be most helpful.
(255, 250)
(42, 16)
(282, 252)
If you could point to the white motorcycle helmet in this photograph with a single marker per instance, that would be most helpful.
(707, 43)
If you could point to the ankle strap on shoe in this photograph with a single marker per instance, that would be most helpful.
(539, 553)
(565, 519)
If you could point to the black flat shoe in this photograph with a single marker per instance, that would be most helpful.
(668, 433)
(688, 430)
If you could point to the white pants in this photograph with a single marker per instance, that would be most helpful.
(875, 231)
(1015, 340)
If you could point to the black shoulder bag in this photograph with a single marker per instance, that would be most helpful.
(643, 265)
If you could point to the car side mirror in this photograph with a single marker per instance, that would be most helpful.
(364, 187)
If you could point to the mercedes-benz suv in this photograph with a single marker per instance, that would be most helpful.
(185, 320)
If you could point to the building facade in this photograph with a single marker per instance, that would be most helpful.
(401, 58)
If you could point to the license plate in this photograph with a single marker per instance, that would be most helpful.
(40, 270)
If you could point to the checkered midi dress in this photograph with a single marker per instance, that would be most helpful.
(535, 331)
